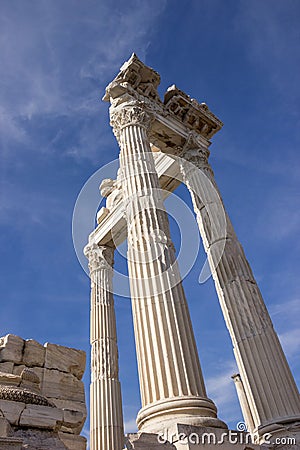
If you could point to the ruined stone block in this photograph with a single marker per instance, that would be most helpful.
(73, 442)
(5, 428)
(7, 367)
(73, 421)
(65, 359)
(65, 386)
(34, 353)
(11, 348)
(12, 410)
(37, 416)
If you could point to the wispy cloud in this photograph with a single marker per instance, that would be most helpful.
(56, 59)
(221, 390)
(130, 426)
(264, 24)
(286, 314)
(280, 217)
(291, 342)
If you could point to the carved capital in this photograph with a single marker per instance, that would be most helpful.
(100, 257)
(195, 151)
(129, 115)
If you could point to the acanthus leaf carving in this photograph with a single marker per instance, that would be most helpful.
(127, 115)
(100, 257)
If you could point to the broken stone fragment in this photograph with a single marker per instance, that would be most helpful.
(34, 353)
(30, 380)
(144, 441)
(12, 410)
(73, 421)
(60, 385)
(5, 428)
(11, 348)
(73, 442)
(38, 416)
(65, 359)
(7, 367)
(9, 379)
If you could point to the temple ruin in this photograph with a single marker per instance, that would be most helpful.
(163, 143)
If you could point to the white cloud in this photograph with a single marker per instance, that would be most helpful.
(290, 341)
(289, 309)
(286, 315)
(56, 59)
(221, 390)
(130, 426)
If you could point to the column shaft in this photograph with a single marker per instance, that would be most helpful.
(170, 376)
(106, 419)
(269, 386)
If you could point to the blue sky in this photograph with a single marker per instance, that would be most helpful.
(242, 58)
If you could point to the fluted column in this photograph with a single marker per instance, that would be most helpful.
(171, 381)
(243, 402)
(269, 386)
(106, 419)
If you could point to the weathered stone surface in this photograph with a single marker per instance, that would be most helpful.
(73, 442)
(35, 439)
(37, 416)
(26, 414)
(12, 410)
(30, 380)
(146, 441)
(9, 443)
(62, 385)
(5, 428)
(34, 353)
(7, 367)
(18, 369)
(65, 359)
(71, 405)
(9, 379)
(73, 421)
(11, 348)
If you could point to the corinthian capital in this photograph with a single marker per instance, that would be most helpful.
(100, 257)
(124, 116)
(195, 151)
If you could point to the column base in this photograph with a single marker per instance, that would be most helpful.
(162, 415)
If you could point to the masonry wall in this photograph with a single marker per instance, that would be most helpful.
(42, 398)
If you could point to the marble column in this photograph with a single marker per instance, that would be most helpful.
(243, 402)
(171, 382)
(106, 418)
(269, 386)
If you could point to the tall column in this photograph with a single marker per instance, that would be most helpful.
(106, 418)
(171, 382)
(269, 386)
(243, 402)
